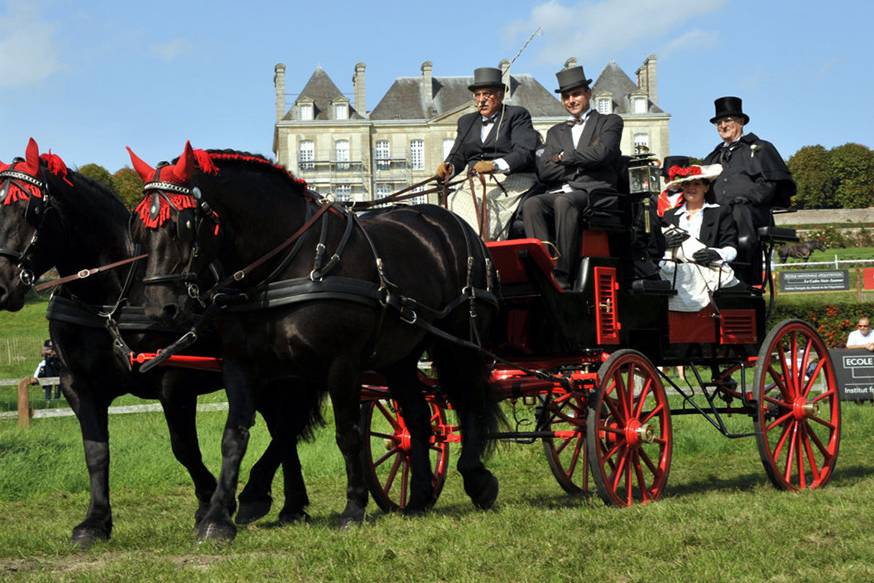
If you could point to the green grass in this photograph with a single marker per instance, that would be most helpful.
(721, 519)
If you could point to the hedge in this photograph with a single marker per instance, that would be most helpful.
(833, 321)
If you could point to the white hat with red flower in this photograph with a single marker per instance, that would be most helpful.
(679, 174)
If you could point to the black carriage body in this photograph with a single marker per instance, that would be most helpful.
(606, 310)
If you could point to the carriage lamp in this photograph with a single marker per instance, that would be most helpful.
(643, 175)
(643, 182)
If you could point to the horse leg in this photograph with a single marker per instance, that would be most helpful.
(346, 402)
(407, 390)
(216, 523)
(92, 413)
(463, 376)
(180, 407)
(281, 416)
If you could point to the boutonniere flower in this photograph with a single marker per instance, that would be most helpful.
(753, 149)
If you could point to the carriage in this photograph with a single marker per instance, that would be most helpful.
(591, 365)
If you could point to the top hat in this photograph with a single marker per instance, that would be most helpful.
(729, 106)
(669, 161)
(571, 79)
(485, 77)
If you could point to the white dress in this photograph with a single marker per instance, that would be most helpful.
(694, 283)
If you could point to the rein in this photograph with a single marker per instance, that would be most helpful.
(405, 194)
(83, 273)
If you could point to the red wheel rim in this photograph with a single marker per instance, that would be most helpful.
(386, 453)
(798, 420)
(566, 452)
(629, 432)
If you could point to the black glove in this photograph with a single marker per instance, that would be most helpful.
(675, 238)
(741, 200)
(706, 256)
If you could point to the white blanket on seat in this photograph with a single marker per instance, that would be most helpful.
(694, 283)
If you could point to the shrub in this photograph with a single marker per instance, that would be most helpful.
(833, 321)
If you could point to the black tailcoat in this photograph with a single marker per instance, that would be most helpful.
(515, 142)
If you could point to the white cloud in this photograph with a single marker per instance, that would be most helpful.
(595, 30)
(697, 39)
(171, 49)
(27, 45)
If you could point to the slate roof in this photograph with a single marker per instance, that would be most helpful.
(405, 99)
(322, 90)
(614, 81)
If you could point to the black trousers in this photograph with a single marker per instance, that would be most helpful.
(556, 217)
(749, 252)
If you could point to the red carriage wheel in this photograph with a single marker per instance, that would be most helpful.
(386, 452)
(798, 419)
(566, 451)
(629, 431)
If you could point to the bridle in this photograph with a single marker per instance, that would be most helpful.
(35, 214)
(188, 228)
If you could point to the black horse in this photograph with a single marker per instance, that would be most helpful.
(52, 216)
(333, 301)
(800, 250)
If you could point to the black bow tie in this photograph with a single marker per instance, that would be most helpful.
(487, 120)
(576, 121)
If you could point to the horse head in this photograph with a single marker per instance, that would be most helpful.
(179, 231)
(26, 236)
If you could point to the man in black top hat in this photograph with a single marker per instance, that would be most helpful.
(497, 141)
(754, 179)
(580, 156)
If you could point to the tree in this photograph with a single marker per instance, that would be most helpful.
(852, 169)
(97, 173)
(811, 172)
(129, 186)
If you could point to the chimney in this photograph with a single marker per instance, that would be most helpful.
(646, 78)
(427, 88)
(359, 89)
(279, 84)
(570, 63)
(504, 66)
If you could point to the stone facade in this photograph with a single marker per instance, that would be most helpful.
(339, 147)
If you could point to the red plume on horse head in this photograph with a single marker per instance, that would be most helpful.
(178, 173)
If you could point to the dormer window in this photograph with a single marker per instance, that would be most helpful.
(640, 104)
(306, 111)
(604, 105)
(341, 111)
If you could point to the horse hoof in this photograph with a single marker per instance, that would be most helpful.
(85, 536)
(216, 531)
(293, 517)
(486, 497)
(252, 510)
(351, 520)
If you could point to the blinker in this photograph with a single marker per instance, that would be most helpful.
(156, 206)
(3, 190)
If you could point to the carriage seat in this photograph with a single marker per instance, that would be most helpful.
(778, 234)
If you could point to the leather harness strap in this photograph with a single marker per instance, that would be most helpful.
(83, 273)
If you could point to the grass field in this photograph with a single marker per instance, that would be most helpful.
(721, 519)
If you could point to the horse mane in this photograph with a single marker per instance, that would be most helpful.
(239, 159)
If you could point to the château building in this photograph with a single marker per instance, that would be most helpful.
(339, 146)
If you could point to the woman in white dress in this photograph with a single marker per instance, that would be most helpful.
(701, 237)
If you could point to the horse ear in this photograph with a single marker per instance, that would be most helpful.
(3, 166)
(145, 171)
(31, 157)
(185, 164)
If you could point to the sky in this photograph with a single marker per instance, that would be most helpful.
(86, 78)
